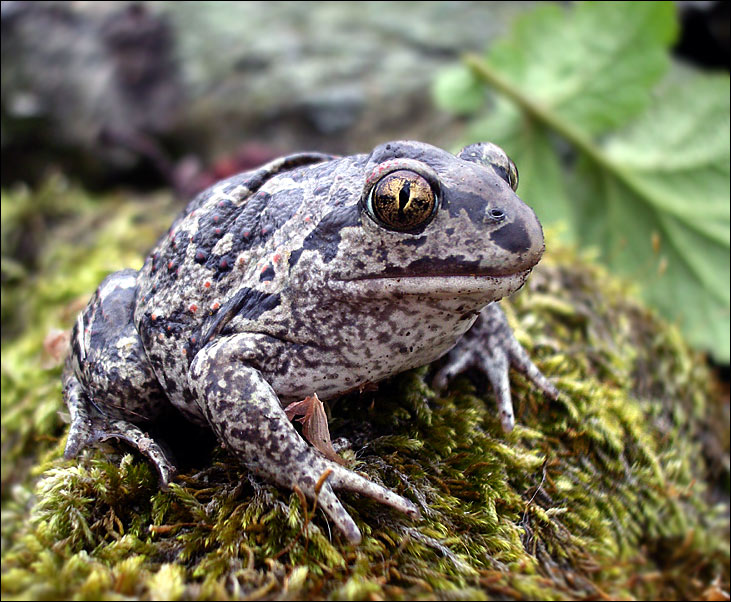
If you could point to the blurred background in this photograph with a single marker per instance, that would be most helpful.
(146, 94)
(156, 93)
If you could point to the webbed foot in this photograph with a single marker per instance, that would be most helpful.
(491, 346)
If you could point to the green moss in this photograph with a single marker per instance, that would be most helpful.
(611, 491)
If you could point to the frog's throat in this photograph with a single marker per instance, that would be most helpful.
(490, 288)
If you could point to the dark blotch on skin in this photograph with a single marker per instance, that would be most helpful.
(433, 266)
(224, 265)
(267, 274)
(474, 204)
(247, 303)
(413, 242)
(500, 170)
(295, 257)
(325, 238)
(512, 237)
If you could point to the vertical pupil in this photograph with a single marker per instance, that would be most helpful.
(403, 197)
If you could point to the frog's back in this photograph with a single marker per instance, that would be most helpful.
(202, 259)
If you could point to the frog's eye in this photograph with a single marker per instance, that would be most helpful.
(402, 200)
(512, 178)
(491, 155)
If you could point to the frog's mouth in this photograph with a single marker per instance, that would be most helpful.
(487, 287)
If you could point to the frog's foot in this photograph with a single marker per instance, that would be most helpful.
(246, 415)
(88, 427)
(313, 469)
(491, 346)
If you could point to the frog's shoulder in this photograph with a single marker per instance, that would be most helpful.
(241, 186)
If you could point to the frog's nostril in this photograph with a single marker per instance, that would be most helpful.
(496, 214)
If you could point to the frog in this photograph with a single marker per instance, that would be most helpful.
(313, 274)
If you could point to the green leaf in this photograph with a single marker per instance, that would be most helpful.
(637, 167)
(660, 207)
(592, 65)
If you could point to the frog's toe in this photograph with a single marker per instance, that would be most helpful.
(81, 432)
(343, 478)
(520, 360)
(456, 364)
(494, 361)
(495, 364)
(339, 515)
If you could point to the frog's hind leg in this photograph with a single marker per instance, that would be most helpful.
(88, 426)
(109, 386)
(246, 415)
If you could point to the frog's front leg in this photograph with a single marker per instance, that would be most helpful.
(247, 417)
(491, 345)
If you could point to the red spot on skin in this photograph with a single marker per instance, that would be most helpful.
(215, 305)
(192, 340)
(193, 308)
(277, 258)
(218, 230)
(216, 218)
(207, 284)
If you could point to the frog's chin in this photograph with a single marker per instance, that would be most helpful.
(486, 288)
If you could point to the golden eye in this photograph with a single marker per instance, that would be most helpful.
(403, 200)
(491, 155)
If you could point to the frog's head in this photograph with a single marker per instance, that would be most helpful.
(426, 222)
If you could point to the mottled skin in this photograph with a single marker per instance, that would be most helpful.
(287, 281)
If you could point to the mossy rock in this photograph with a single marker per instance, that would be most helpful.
(617, 490)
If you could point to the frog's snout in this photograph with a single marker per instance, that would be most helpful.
(519, 236)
